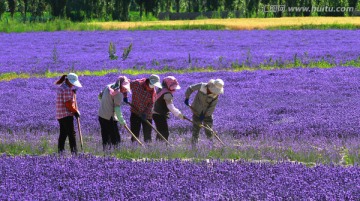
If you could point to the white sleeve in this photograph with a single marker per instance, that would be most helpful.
(174, 110)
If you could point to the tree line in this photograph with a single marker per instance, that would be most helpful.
(107, 10)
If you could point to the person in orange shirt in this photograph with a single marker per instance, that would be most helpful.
(66, 110)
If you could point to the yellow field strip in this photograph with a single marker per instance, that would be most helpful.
(239, 23)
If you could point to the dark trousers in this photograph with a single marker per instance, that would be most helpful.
(196, 129)
(161, 126)
(135, 125)
(109, 132)
(67, 130)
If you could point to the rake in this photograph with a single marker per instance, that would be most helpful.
(146, 121)
(78, 124)
(133, 135)
(207, 127)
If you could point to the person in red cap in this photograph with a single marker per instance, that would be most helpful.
(164, 105)
(110, 111)
(66, 110)
(204, 104)
(143, 98)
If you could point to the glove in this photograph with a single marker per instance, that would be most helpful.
(143, 116)
(126, 100)
(202, 117)
(77, 114)
(187, 102)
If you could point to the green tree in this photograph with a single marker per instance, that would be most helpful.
(353, 4)
(2, 7)
(265, 4)
(75, 10)
(229, 5)
(140, 3)
(12, 7)
(124, 16)
(121, 10)
(335, 4)
(36, 8)
(252, 6)
(177, 5)
(150, 6)
(57, 7)
(25, 8)
(196, 5)
(307, 3)
(212, 5)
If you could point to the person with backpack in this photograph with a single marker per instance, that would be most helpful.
(110, 113)
(143, 98)
(203, 105)
(164, 105)
(66, 110)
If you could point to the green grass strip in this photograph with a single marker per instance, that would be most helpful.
(8, 25)
(317, 27)
(181, 27)
(12, 75)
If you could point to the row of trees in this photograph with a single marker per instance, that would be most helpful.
(79, 10)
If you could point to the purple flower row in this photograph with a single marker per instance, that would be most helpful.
(63, 51)
(92, 178)
(296, 103)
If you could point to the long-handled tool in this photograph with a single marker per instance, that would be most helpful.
(215, 134)
(78, 124)
(207, 127)
(146, 121)
(133, 135)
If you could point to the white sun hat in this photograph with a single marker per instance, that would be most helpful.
(216, 86)
(73, 79)
(155, 80)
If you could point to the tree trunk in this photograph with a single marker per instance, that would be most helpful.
(177, 2)
(25, 8)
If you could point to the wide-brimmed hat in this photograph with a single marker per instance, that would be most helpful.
(155, 80)
(216, 86)
(171, 83)
(73, 79)
(124, 82)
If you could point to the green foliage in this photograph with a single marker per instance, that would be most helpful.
(2, 7)
(37, 9)
(57, 7)
(112, 51)
(317, 26)
(126, 52)
(12, 7)
(121, 10)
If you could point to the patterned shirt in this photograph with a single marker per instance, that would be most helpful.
(64, 94)
(142, 99)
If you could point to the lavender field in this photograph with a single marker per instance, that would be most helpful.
(295, 103)
(290, 134)
(263, 115)
(90, 178)
(64, 51)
